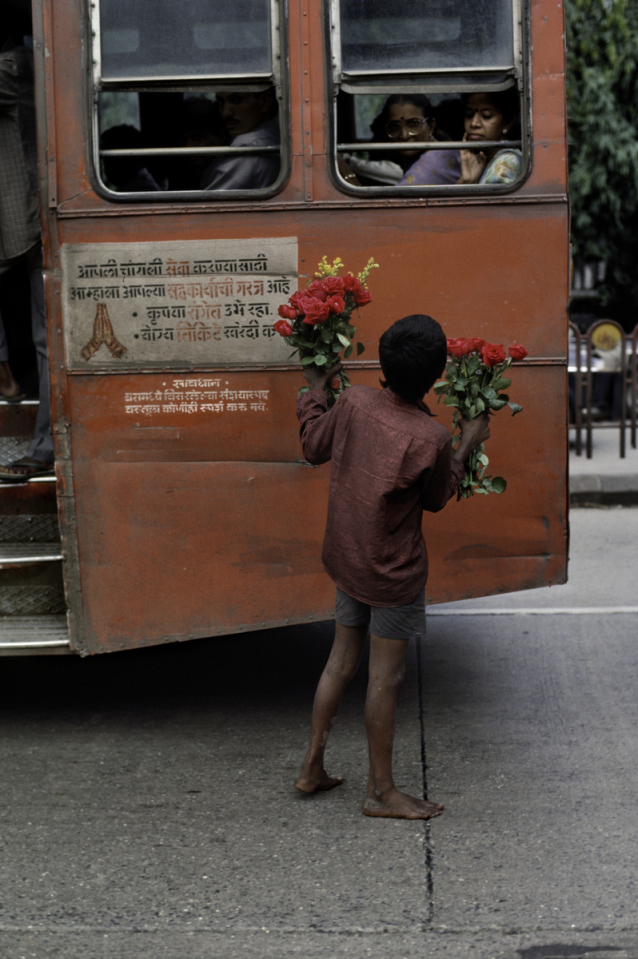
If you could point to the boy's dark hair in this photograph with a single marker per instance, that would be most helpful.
(413, 354)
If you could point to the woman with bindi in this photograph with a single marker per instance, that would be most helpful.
(490, 117)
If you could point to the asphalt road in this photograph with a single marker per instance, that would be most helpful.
(147, 806)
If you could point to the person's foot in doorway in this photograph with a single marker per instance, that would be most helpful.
(10, 389)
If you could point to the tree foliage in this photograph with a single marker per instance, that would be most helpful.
(602, 106)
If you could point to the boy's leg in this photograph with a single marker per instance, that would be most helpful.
(386, 672)
(342, 664)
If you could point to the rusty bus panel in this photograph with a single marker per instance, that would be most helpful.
(182, 519)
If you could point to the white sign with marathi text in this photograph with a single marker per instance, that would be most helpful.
(163, 304)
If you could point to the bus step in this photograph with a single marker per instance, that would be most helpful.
(35, 589)
(30, 635)
(29, 528)
(17, 419)
(20, 554)
(35, 496)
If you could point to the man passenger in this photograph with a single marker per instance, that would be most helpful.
(251, 120)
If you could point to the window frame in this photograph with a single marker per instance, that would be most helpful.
(430, 81)
(196, 84)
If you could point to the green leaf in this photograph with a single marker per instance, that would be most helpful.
(451, 400)
(343, 339)
(489, 394)
(498, 404)
(482, 458)
(307, 360)
(348, 351)
(320, 359)
(499, 485)
(473, 364)
(515, 408)
(502, 383)
(360, 349)
(480, 405)
(302, 389)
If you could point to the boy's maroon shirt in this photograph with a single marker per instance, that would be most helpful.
(390, 461)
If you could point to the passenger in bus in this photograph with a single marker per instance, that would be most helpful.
(202, 127)
(251, 120)
(126, 174)
(491, 116)
(20, 240)
(408, 118)
(390, 461)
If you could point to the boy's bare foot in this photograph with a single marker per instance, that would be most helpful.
(310, 782)
(398, 805)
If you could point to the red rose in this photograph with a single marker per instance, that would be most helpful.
(333, 285)
(492, 354)
(336, 304)
(458, 347)
(303, 301)
(516, 351)
(288, 312)
(316, 312)
(317, 290)
(283, 328)
(475, 345)
(351, 284)
(294, 299)
(362, 296)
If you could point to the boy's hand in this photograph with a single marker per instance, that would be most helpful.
(473, 433)
(318, 379)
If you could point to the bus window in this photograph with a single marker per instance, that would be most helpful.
(188, 99)
(428, 98)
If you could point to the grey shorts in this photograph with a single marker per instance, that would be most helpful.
(388, 622)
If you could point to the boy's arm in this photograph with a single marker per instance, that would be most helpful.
(317, 421)
(443, 481)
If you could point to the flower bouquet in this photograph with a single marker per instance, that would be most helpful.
(316, 321)
(474, 378)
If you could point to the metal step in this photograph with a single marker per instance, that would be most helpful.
(29, 528)
(30, 635)
(18, 419)
(18, 554)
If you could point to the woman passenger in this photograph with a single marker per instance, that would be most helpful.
(406, 118)
(491, 116)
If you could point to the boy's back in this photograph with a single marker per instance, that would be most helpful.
(390, 461)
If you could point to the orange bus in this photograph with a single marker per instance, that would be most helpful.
(197, 161)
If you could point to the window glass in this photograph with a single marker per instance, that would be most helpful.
(380, 35)
(170, 141)
(408, 139)
(173, 39)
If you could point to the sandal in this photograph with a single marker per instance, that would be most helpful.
(13, 399)
(25, 469)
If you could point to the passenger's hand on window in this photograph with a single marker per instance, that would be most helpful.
(318, 379)
(472, 165)
(346, 172)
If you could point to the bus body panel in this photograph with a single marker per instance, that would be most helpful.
(182, 526)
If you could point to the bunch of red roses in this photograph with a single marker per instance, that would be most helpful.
(491, 353)
(473, 383)
(316, 321)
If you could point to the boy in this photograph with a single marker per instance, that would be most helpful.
(390, 461)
